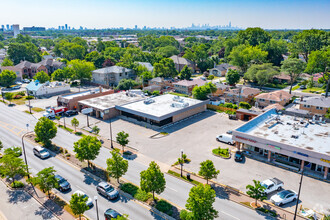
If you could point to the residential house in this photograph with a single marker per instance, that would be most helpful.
(282, 78)
(281, 97)
(110, 76)
(221, 70)
(315, 105)
(186, 86)
(46, 89)
(241, 94)
(159, 83)
(52, 65)
(221, 89)
(180, 62)
(147, 65)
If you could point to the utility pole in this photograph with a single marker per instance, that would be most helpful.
(111, 134)
(301, 178)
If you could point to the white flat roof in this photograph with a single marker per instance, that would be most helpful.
(161, 107)
(290, 130)
(111, 100)
(83, 93)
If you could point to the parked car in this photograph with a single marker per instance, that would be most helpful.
(89, 201)
(111, 214)
(70, 113)
(15, 87)
(226, 138)
(63, 184)
(284, 197)
(107, 190)
(18, 83)
(323, 94)
(229, 132)
(26, 80)
(41, 152)
(303, 87)
(272, 185)
(232, 117)
(239, 156)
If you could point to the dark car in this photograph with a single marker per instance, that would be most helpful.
(63, 184)
(70, 113)
(107, 190)
(239, 156)
(232, 117)
(111, 214)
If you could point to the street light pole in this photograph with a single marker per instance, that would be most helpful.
(97, 210)
(181, 161)
(26, 163)
(111, 134)
(301, 178)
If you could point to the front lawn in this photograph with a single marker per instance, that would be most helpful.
(276, 86)
(178, 94)
(36, 109)
(295, 87)
(314, 90)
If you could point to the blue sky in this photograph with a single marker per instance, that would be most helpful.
(269, 14)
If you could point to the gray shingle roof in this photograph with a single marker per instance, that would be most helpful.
(112, 69)
(316, 101)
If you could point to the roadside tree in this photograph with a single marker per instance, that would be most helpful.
(117, 166)
(208, 171)
(75, 123)
(87, 148)
(9, 96)
(122, 139)
(12, 166)
(45, 130)
(7, 78)
(78, 204)
(256, 191)
(46, 180)
(42, 77)
(152, 179)
(96, 130)
(294, 68)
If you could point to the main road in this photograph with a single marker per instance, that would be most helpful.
(176, 191)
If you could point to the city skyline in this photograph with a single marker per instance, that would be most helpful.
(181, 13)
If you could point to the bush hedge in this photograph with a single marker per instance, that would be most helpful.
(165, 207)
(17, 184)
(129, 188)
(221, 152)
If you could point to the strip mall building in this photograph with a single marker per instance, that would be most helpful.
(295, 142)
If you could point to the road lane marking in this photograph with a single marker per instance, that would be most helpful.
(80, 188)
(171, 189)
(230, 215)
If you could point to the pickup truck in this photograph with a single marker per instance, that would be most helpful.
(272, 185)
(54, 111)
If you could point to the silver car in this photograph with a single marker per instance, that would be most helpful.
(107, 190)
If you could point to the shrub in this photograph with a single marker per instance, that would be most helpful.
(230, 112)
(78, 133)
(244, 105)
(165, 207)
(17, 184)
(210, 77)
(156, 93)
(36, 139)
(17, 97)
(129, 188)
(142, 195)
(221, 152)
(184, 214)
(21, 93)
(235, 106)
(228, 105)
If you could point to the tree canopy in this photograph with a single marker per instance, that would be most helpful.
(261, 73)
(116, 165)
(253, 36)
(208, 171)
(45, 130)
(7, 78)
(201, 92)
(232, 77)
(87, 148)
(46, 180)
(294, 68)
(185, 73)
(42, 77)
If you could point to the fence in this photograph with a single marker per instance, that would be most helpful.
(221, 108)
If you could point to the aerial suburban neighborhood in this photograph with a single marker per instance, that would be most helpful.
(192, 123)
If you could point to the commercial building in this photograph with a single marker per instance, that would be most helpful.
(16, 30)
(71, 100)
(33, 28)
(161, 110)
(290, 141)
(47, 89)
(104, 107)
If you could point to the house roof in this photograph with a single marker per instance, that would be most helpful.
(316, 76)
(33, 86)
(316, 101)
(180, 60)
(157, 79)
(221, 86)
(283, 77)
(112, 69)
(275, 96)
(147, 65)
(244, 91)
(12, 68)
(276, 105)
(222, 67)
(198, 82)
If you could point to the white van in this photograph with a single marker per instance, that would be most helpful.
(41, 152)
(226, 138)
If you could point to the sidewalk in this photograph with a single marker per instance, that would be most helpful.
(232, 194)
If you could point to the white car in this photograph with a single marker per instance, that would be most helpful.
(26, 80)
(18, 83)
(284, 197)
(89, 201)
(226, 138)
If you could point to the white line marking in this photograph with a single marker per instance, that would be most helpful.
(80, 188)
(171, 189)
(230, 215)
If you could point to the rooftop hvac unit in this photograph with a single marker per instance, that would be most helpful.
(148, 101)
(179, 105)
(177, 99)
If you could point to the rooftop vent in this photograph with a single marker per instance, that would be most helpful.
(148, 101)
(180, 105)
(178, 99)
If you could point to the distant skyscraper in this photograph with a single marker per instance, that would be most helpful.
(229, 24)
(16, 30)
(59, 27)
(135, 27)
(3, 27)
(62, 27)
(66, 26)
(7, 27)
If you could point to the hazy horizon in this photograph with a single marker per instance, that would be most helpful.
(101, 14)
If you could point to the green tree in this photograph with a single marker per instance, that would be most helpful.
(74, 123)
(70, 50)
(319, 61)
(243, 56)
(165, 68)
(23, 51)
(208, 171)
(293, 67)
(122, 139)
(200, 204)
(152, 179)
(167, 51)
(42, 77)
(261, 73)
(46, 180)
(45, 130)
(232, 77)
(245, 105)
(81, 69)
(78, 204)
(1, 145)
(87, 148)
(16, 151)
(126, 84)
(185, 73)
(7, 78)
(12, 166)
(253, 36)
(201, 92)
(116, 166)
(96, 129)
(7, 62)
(275, 49)
(9, 96)
(62, 74)
(123, 217)
(256, 191)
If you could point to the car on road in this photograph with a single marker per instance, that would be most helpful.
(70, 113)
(18, 83)
(272, 185)
(302, 87)
(107, 190)
(111, 214)
(15, 87)
(89, 201)
(226, 138)
(41, 152)
(26, 81)
(323, 94)
(63, 184)
(239, 156)
(284, 197)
